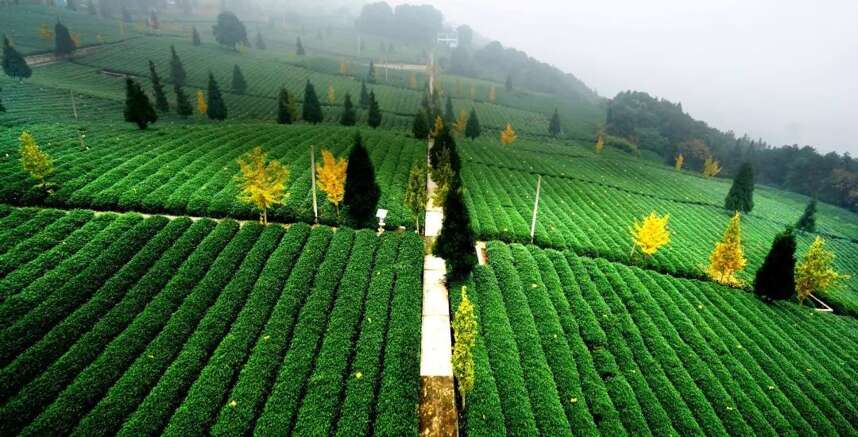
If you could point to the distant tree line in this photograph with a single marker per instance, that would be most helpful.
(416, 24)
(663, 127)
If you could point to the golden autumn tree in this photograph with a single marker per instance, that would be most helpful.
(344, 68)
(331, 174)
(412, 81)
(461, 123)
(650, 234)
(262, 183)
(508, 136)
(75, 37)
(728, 258)
(35, 161)
(600, 143)
(815, 272)
(493, 94)
(465, 335)
(46, 33)
(202, 106)
(332, 95)
(711, 167)
(439, 126)
(679, 162)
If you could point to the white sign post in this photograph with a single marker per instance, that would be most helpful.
(381, 214)
(535, 209)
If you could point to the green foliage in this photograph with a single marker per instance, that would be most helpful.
(160, 98)
(807, 221)
(449, 112)
(216, 104)
(183, 104)
(195, 37)
(239, 85)
(420, 126)
(364, 95)
(260, 43)
(473, 129)
(177, 69)
(312, 108)
(776, 277)
(285, 107)
(138, 108)
(370, 74)
(554, 127)
(416, 194)
(456, 242)
(299, 47)
(2, 108)
(374, 116)
(229, 30)
(349, 116)
(741, 195)
(465, 338)
(508, 83)
(362, 191)
(14, 64)
(63, 43)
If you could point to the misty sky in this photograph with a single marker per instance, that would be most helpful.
(785, 70)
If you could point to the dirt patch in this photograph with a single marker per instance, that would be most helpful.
(437, 406)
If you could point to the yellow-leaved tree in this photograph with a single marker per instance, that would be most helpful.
(46, 33)
(600, 143)
(508, 136)
(344, 68)
(465, 335)
(412, 81)
(711, 167)
(815, 272)
(439, 126)
(331, 175)
(680, 161)
(332, 95)
(202, 106)
(650, 234)
(493, 94)
(75, 37)
(262, 183)
(461, 123)
(728, 258)
(35, 161)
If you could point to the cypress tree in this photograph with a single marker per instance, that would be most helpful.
(195, 37)
(63, 43)
(776, 277)
(312, 107)
(445, 141)
(449, 112)
(807, 221)
(554, 127)
(217, 107)
(160, 99)
(300, 47)
(14, 64)
(284, 107)
(138, 109)
(473, 129)
(2, 108)
(427, 107)
(183, 105)
(374, 117)
(239, 85)
(260, 43)
(177, 70)
(364, 95)
(370, 75)
(741, 195)
(456, 242)
(362, 192)
(420, 127)
(349, 117)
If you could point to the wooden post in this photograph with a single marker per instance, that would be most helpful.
(74, 105)
(535, 209)
(313, 183)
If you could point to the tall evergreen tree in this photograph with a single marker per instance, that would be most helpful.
(300, 47)
(444, 141)
(362, 192)
(370, 75)
(260, 43)
(177, 70)
(312, 108)
(449, 112)
(63, 43)
(420, 127)
(195, 37)
(741, 195)
(138, 109)
(160, 98)
(239, 85)
(183, 104)
(807, 221)
(14, 64)
(2, 108)
(776, 277)
(364, 95)
(456, 242)
(374, 117)
(349, 118)
(216, 104)
(554, 127)
(508, 84)
(285, 115)
(473, 129)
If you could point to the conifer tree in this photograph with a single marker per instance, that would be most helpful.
(195, 37)
(815, 272)
(776, 277)
(216, 105)
(741, 195)
(177, 70)
(160, 98)
(63, 43)
(260, 43)
(312, 107)
(465, 335)
(138, 109)
(285, 113)
(416, 194)
(183, 103)
(14, 64)
(807, 221)
(299, 50)
(239, 85)
(2, 108)
(370, 75)
(449, 114)
(456, 242)
(374, 117)
(420, 127)
(362, 192)
(728, 258)
(554, 127)
(473, 129)
(349, 117)
(364, 95)
(34, 160)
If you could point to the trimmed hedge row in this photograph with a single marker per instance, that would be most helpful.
(44, 240)
(28, 226)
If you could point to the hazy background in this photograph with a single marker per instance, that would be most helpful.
(784, 71)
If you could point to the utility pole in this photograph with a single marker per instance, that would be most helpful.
(313, 183)
(74, 105)
(535, 209)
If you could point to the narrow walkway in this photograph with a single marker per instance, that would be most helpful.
(437, 399)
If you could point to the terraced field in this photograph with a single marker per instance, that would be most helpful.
(120, 324)
(189, 169)
(573, 345)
